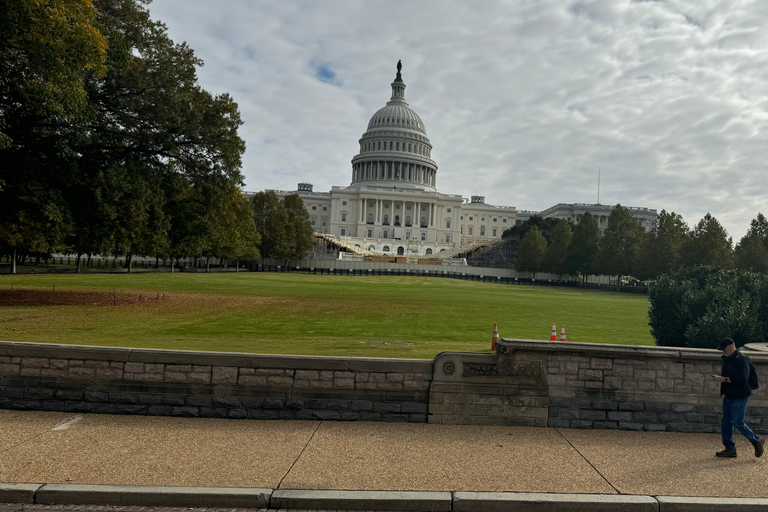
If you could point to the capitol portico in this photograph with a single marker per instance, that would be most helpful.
(392, 205)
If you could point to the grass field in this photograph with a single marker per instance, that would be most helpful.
(324, 315)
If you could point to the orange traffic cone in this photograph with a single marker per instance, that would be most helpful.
(562, 333)
(553, 336)
(495, 337)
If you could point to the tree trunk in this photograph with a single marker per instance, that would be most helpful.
(128, 258)
(208, 264)
(237, 264)
(157, 261)
(89, 261)
(77, 264)
(13, 262)
(37, 259)
(173, 262)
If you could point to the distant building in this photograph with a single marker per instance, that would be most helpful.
(573, 212)
(392, 205)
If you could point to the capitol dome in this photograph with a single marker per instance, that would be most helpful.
(395, 151)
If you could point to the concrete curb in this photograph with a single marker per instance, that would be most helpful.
(542, 502)
(694, 504)
(235, 497)
(18, 493)
(363, 500)
(74, 494)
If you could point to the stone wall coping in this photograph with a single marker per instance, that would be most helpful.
(680, 354)
(148, 355)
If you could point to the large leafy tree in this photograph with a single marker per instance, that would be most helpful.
(582, 253)
(708, 244)
(557, 250)
(752, 251)
(47, 50)
(660, 252)
(299, 228)
(271, 220)
(530, 254)
(620, 244)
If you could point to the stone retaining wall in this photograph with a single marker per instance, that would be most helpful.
(587, 385)
(181, 383)
(555, 384)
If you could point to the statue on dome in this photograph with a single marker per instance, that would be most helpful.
(399, 67)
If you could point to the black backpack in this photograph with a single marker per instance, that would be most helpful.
(752, 380)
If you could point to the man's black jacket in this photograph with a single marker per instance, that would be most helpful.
(736, 368)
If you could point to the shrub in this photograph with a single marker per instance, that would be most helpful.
(697, 306)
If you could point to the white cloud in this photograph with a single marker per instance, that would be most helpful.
(523, 101)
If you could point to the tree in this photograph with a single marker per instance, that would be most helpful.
(531, 252)
(301, 236)
(271, 219)
(235, 235)
(582, 252)
(708, 244)
(557, 250)
(620, 244)
(660, 251)
(752, 251)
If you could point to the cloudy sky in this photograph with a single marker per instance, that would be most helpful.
(524, 101)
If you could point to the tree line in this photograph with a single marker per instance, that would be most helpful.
(625, 248)
(108, 144)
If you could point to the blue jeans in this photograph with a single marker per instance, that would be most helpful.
(733, 416)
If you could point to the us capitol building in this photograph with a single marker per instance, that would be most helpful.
(392, 206)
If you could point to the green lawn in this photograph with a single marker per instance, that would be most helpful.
(328, 315)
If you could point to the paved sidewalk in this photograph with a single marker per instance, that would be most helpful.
(47, 447)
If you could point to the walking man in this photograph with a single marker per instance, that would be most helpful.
(734, 388)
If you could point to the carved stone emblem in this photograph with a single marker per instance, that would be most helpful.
(506, 368)
(449, 368)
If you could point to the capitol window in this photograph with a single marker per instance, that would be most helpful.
(343, 232)
(386, 247)
(397, 146)
(482, 230)
(470, 230)
(470, 218)
(379, 144)
(370, 233)
(390, 145)
(447, 238)
(344, 203)
(343, 217)
(449, 210)
(314, 208)
(448, 224)
(494, 231)
(429, 251)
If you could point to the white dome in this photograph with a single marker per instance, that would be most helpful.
(396, 114)
(394, 150)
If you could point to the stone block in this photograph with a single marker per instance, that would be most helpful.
(314, 404)
(395, 417)
(175, 377)
(703, 428)
(349, 416)
(254, 380)
(414, 407)
(645, 417)
(344, 383)
(10, 369)
(694, 418)
(558, 423)
(159, 410)
(227, 401)
(150, 398)
(154, 369)
(189, 412)
(273, 403)
(418, 418)
(670, 417)
(39, 394)
(69, 394)
(132, 409)
(658, 406)
(97, 364)
(387, 407)
(655, 427)
(679, 427)
(611, 425)
(123, 398)
(587, 414)
(35, 362)
(181, 368)
(360, 405)
(599, 363)
(94, 396)
(604, 404)
(237, 414)
(170, 399)
(251, 402)
(280, 381)
(224, 375)
(133, 367)
(370, 416)
(109, 373)
(631, 406)
(262, 414)
(628, 425)
(199, 400)
(53, 405)
(620, 415)
(580, 424)
(78, 371)
(199, 378)
(337, 405)
(294, 404)
(105, 408)
(326, 415)
(591, 375)
(215, 412)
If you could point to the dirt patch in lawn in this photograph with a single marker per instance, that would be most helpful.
(78, 298)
